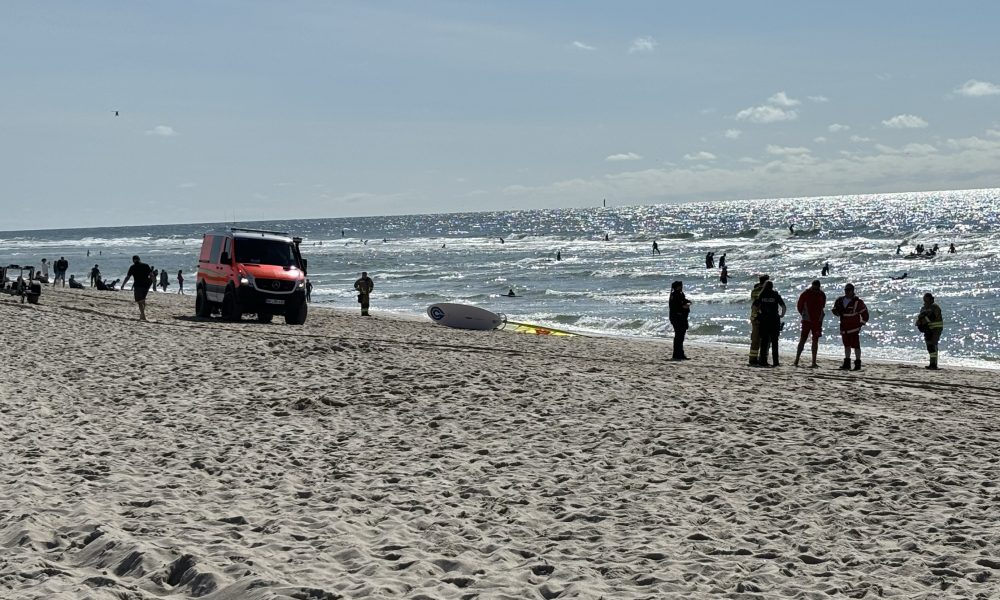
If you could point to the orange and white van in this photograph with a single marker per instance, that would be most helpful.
(251, 271)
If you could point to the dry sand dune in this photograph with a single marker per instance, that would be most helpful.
(371, 458)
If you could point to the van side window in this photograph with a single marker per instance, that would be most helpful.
(216, 248)
(206, 249)
(228, 248)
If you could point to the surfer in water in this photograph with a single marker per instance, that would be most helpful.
(951, 248)
(606, 239)
(558, 255)
(899, 249)
(722, 261)
(724, 277)
(903, 276)
(826, 270)
(501, 240)
(656, 249)
(511, 293)
(791, 230)
(710, 260)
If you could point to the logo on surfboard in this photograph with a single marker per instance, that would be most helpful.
(436, 313)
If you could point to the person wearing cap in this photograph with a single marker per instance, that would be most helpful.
(853, 316)
(931, 324)
(755, 322)
(812, 307)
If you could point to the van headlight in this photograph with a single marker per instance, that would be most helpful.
(246, 279)
(302, 283)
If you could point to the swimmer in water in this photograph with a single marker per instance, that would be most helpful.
(903, 276)
(791, 230)
(558, 255)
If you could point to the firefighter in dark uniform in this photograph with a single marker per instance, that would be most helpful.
(769, 307)
(754, 323)
(364, 286)
(931, 324)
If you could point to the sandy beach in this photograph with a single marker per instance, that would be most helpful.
(393, 458)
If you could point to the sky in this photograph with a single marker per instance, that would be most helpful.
(312, 109)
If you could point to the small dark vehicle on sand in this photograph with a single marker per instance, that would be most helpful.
(17, 285)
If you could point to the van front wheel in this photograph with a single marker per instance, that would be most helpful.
(231, 310)
(298, 316)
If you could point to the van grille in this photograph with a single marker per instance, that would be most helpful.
(268, 285)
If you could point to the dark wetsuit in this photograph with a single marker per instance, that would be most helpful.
(364, 286)
(679, 321)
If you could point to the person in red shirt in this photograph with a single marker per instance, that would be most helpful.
(812, 307)
(853, 316)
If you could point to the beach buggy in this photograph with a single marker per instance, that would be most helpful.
(251, 271)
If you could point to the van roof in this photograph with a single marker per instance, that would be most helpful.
(240, 232)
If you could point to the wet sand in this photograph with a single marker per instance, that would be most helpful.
(384, 457)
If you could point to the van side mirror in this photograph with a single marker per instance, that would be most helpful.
(224, 258)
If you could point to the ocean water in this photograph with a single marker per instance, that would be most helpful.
(618, 287)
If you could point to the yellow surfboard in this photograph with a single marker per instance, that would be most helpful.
(539, 330)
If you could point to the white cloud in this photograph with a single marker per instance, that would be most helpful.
(819, 98)
(782, 99)
(700, 156)
(993, 133)
(627, 156)
(837, 127)
(785, 150)
(766, 114)
(748, 160)
(974, 143)
(643, 44)
(973, 89)
(917, 149)
(162, 130)
(905, 122)
(859, 139)
(583, 46)
(733, 133)
(820, 139)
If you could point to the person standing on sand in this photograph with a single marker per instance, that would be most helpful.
(755, 322)
(180, 282)
(812, 307)
(62, 265)
(680, 308)
(853, 316)
(95, 274)
(164, 281)
(142, 277)
(770, 308)
(364, 286)
(931, 324)
(45, 271)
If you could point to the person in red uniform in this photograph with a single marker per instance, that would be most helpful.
(853, 316)
(812, 307)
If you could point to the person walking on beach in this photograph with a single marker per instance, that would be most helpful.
(164, 282)
(95, 274)
(812, 307)
(771, 308)
(853, 316)
(180, 282)
(931, 324)
(656, 248)
(679, 307)
(142, 277)
(364, 286)
(62, 265)
(755, 321)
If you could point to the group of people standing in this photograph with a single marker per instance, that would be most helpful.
(768, 308)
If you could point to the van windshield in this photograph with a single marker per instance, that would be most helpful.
(264, 252)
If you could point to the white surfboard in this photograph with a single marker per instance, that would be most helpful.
(463, 316)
